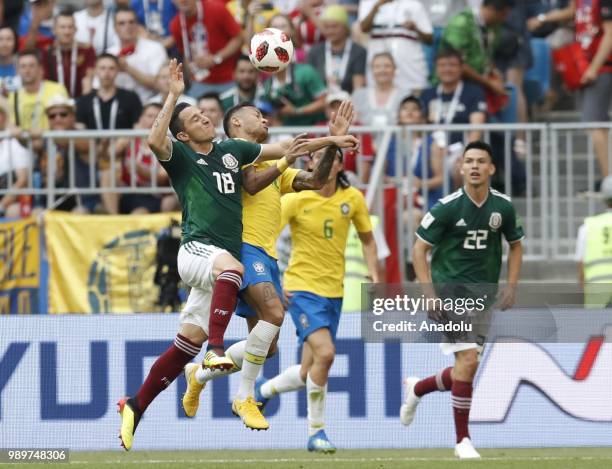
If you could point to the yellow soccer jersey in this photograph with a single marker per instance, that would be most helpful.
(319, 230)
(261, 213)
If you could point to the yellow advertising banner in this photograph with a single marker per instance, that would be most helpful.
(19, 267)
(103, 263)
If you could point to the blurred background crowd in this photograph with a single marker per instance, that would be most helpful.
(97, 64)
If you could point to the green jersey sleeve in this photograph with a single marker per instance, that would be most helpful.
(246, 152)
(176, 163)
(512, 226)
(432, 227)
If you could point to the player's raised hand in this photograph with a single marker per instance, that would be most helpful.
(347, 141)
(177, 83)
(341, 119)
(297, 148)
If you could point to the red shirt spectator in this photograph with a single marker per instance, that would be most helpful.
(590, 15)
(219, 29)
(306, 21)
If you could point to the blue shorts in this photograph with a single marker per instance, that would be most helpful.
(258, 267)
(311, 312)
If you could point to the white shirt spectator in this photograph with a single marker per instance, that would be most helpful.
(96, 31)
(389, 35)
(12, 157)
(148, 57)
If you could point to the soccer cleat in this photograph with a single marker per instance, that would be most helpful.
(319, 443)
(191, 398)
(130, 417)
(259, 382)
(465, 450)
(212, 361)
(411, 401)
(249, 413)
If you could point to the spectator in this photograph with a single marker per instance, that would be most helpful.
(209, 39)
(400, 27)
(355, 162)
(593, 253)
(252, 15)
(283, 22)
(140, 59)
(10, 12)
(95, 26)
(211, 106)
(140, 168)
(339, 61)
(305, 19)
(297, 94)
(378, 104)
(245, 88)
(14, 164)
(67, 62)
(155, 16)
(108, 108)
(453, 100)
(27, 105)
(162, 84)
(35, 25)
(474, 33)
(9, 79)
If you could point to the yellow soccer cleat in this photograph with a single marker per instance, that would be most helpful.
(130, 416)
(249, 413)
(212, 361)
(191, 398)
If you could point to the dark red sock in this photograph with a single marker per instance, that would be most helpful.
(222, 305)
(441, 381)
(165, 370)
(461, 396)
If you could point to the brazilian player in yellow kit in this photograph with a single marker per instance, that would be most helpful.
(260, 301)
(319, 222)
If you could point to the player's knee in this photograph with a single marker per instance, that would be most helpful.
(467, 364)
(325, 355)
(274, 314)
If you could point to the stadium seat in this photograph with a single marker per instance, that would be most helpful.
(537, 78)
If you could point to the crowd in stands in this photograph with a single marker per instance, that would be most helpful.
(102, 64)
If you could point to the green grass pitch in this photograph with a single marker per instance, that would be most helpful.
(542, 458)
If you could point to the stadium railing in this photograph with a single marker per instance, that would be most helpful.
(547, 183)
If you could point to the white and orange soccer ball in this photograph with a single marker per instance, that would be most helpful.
(271, 50)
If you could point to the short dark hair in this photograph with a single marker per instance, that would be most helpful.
(176, 124)
(158, 106)
(479, 145)
(411, 99)
(212, 95)
(106, 55)
(124, 9)
(243, 58)
(230, 113)
(66, 11)
(447, 52)
(498, 4)
(30, 52)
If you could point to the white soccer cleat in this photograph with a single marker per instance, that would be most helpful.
(465, 450)
(411, 401)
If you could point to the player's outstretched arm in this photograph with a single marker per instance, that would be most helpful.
(158, 139)
(306, 180)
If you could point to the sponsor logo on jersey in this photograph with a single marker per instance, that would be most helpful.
(345, 209)
(427, 220)
(304, 321)
(461, 223)
(221, 312)
(259, 267)
(202, 162)
(230, 162)
(495, 221)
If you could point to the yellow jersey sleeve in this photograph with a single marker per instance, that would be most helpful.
(286, 180)
(361, 216)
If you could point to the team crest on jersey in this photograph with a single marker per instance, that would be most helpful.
(345, 209)
(259, 267)
(230, 162)
(495, 221)
(304, 321)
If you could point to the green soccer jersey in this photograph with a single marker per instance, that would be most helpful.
(466, 238)
(209, 189)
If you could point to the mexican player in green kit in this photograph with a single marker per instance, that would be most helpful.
(207, 178)
(464, 232)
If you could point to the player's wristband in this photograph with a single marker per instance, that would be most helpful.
(282, 164)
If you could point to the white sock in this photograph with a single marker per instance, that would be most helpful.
(288, 380)
(257, 345)
(235, 352)
(316, 405)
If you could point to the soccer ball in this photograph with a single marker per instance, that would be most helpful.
(271, 50)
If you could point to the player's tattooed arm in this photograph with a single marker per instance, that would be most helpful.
(158, 139)
(305, 180)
